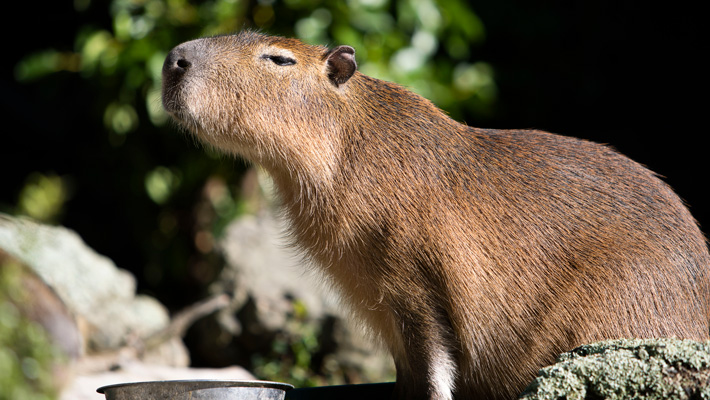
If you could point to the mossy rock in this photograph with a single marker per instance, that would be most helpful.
(28, 358)
(627, 369)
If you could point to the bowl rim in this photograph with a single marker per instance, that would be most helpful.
(218, 383)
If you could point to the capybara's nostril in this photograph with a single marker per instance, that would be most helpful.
(180, 60)
(184, 64)
(178, 64)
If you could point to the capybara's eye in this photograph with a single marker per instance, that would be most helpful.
(279, 60)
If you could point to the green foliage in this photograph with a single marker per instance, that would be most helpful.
(43, 197)
(302, 355)
(26, 353)
(291, 353)
(426, 45)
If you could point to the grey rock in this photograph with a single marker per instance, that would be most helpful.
(89, 284)
(266, 273)
(62, 259)
(262, 267)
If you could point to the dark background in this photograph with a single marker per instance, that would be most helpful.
(627, 73)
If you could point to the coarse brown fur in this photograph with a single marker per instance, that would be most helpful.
(476, 255)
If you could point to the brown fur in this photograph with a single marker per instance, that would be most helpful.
(476, 255)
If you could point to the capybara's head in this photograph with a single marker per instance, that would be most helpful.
(259, 96)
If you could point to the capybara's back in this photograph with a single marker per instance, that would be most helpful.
(572, 243)
(476, 255)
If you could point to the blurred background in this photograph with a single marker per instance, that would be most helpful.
(86, 144)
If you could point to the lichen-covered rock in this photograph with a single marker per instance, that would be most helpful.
(627, 369)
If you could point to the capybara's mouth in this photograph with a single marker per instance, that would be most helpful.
(173, 105)
(171, 96)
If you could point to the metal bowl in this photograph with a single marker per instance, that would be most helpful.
(196, 390)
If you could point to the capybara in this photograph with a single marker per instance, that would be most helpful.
(475, 255)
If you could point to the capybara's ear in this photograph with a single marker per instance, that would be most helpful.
(341, 64)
